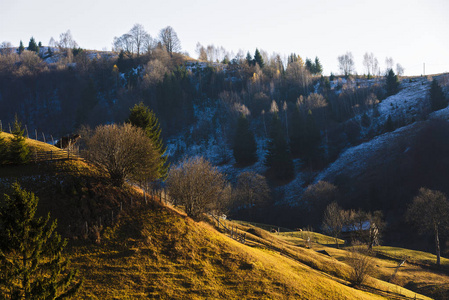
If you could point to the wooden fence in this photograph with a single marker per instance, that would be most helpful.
(52, 155)
(232, 231)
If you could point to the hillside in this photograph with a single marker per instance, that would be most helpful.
(150, 249)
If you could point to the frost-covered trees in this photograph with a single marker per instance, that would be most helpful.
(31, 259)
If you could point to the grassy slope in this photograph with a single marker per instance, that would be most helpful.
(418, 273)
(153, 251)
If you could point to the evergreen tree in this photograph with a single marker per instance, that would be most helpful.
(32, 46)
(392, 83)
(312, 140)
(245, 147)
(249, 59)
(437, 99)
(31, 257)
(365, 121)
(18, 149)
(143, 117)
(318, 67)
(3, 150)
(278, 158)
(389, 126)
(297, 134)
(258, 59)
(309, 65)
(21, 47)
(87, 102)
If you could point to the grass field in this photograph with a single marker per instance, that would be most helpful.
(155, 251)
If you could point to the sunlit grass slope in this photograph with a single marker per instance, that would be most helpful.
(157, 253)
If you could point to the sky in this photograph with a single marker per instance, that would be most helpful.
(411, 32)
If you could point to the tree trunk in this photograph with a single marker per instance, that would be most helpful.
(336, 242)
(437, 245)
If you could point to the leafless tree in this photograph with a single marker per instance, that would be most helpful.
(136, 41)
(430, 211)
(66, 40)
(155, 71)
(52, 43)
(252, 189)
(169, 39)
(346, 64)
(123, 43)
(371, 63)
(399, 69)
(361, 261)
(319, 195)
(197, 185)
(122, 151)
(334, 220)
(389, 62)
(140, 38)
(201, 51)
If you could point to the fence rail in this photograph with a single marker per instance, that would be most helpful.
(61, 154)
(232, 231)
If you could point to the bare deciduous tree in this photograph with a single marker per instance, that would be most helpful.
(123, 151)
(66, 40)
(346, 64)
(389, 62)
(140, 38)
(399, 69)
(252, 189)
(430, 211)
(361, 261)
(371, 63)
(136, 41)
(169, 39)
(197, 185)
(334, 220)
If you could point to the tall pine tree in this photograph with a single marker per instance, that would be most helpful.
(278, 158)
(18, 152)
(31, 259)
(143, 117)
(297, 133)
(392, 83)
(259, 59)
(312, 140)
(437, 99)
(32, 46)
(21, 47)
(245, 147)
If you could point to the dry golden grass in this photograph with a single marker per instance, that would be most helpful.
(155, 251)
(159, 254)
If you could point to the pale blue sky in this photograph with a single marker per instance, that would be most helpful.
(411, 32)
